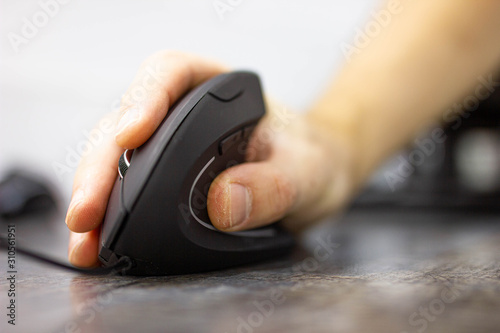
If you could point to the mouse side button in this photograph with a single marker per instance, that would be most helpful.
(229, 141)
(247, 131)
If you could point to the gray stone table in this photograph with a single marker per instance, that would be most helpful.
(384, 270)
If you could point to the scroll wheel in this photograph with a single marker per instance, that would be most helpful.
(124, 163)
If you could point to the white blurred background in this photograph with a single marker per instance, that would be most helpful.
(74, 67)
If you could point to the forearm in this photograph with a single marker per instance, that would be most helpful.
(429, 57)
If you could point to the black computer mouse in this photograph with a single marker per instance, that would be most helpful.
(23, 193)
(156, 214)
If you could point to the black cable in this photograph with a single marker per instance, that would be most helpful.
(120, 268)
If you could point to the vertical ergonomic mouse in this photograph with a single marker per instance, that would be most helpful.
(157, 216)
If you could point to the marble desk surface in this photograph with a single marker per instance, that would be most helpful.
(373, 270)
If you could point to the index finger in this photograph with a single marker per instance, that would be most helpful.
(162, 79)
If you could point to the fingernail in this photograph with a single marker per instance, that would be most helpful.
(75, 201)
(130, 117)
(240, 204)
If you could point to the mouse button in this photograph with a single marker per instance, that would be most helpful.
(145, 158)
(227, 90)
(247, 131)
(229, 141)
(226, 96)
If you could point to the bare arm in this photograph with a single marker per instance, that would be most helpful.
(427, 58)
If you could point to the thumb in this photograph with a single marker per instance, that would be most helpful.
(250, 195)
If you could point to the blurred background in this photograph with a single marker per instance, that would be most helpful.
(57, 83)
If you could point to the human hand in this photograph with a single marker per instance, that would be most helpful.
(294, 170)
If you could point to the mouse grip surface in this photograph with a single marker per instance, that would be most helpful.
(157, 213)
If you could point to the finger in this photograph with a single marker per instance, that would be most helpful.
(258, 193)
(296, 180)
(161, 80)
(93, 182)
(83, 248)
(249, 196)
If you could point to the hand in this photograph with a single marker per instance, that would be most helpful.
(295, 169)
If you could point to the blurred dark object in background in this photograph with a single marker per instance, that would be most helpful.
(458, 169)
(24, 194)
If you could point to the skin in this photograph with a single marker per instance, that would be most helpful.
(307, 166)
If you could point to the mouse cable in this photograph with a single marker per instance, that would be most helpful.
(121, 266)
